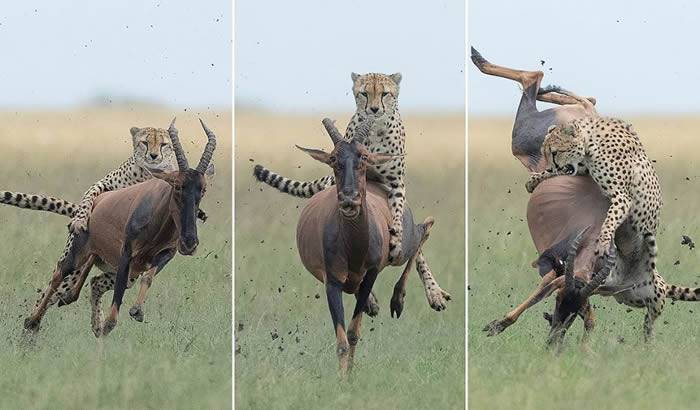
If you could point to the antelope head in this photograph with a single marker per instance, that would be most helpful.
(349, 160)
(188, 188)
(573, 297)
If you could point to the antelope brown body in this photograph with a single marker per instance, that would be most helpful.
(343, 235)
(135, 230)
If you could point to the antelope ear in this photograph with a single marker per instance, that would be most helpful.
(396, 77)
(317, 154)
(134, 131)
(378, 158)
(354, 76)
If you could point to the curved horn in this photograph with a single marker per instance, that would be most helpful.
(177, 147)
(208, 149)
(332, 131)
(569, 284)
(601, 275)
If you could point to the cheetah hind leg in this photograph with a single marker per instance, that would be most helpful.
(396, 203)
(98, 286)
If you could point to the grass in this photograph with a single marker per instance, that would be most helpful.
(180, 357)
(513, 369)
(285, 344)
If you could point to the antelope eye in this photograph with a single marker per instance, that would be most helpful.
(364, 157)
(331, 158)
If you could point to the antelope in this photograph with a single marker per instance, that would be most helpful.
(564, 216)
(135, 230)
(343, 235)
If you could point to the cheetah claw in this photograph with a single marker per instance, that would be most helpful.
(437, 298)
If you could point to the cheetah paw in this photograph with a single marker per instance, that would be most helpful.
(136, 313)
(394, 248)
(437, 298)
(78, 225)
(531, 185)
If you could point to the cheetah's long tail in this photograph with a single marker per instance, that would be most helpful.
(682, 293)
(303, 189)
(38, 202)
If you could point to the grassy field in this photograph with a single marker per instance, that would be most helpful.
(180, 357)
(513, 370)
(285, 345)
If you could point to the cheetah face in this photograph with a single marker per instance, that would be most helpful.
(376, 94)
(153, 149)
(563, 150)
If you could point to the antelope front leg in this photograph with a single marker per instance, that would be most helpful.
(136, 311)
(362, 297)
(334, 294)
(549, 284)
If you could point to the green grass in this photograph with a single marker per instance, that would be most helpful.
(513, 369)
(180, 357)
(285, 343)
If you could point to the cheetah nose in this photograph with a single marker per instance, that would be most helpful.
(153, 156)
(374, 109)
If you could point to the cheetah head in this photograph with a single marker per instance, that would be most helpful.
(153, 149)
(563, 149)
(376, 94)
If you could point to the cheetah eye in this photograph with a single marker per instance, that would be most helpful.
(554, 153)
(163, 144)
(384, 94)
(144, 143)
(363, 93)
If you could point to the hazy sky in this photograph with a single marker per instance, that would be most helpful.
(298, 55)
(57, 53)
(634, 57)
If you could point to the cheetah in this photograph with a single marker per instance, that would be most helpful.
(610, 151)
(152, 152)
(376, 96)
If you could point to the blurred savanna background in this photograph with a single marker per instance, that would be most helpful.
(514, 369)
(65, 115)
(284, 340)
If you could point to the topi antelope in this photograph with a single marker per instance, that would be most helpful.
(343, 234)
(135, 230)
(561, 210)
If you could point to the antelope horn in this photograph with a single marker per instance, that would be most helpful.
(177, 147)
(601, 275)
(208, 149)
(569, 284)
(332, 131)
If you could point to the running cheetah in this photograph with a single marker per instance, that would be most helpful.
(611, 152)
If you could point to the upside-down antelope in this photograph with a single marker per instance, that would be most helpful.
(561, 208)
(135, 230)
(343, 235)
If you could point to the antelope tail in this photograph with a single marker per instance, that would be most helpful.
(303, 189)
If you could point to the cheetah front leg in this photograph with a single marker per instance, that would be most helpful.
(437, 297)
(536, 178)
(397, 201)
(617, 213)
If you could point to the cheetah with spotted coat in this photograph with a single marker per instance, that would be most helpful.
(152, 152)
(611, 152)
(376, 96)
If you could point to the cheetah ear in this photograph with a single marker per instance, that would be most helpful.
(551, 128)
(396, 77)
(379, 158)
(354, 77)
(569, 130)
(134, 131)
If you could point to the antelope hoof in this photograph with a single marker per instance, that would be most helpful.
(372, 307)
(31, 324)
(496, 327)
(397, 303)
(108, 326)
(136, 313)
(437, 298)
